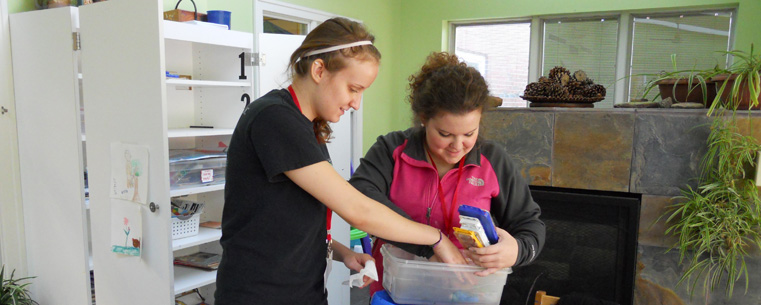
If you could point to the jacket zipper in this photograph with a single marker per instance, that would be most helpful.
(433, 198)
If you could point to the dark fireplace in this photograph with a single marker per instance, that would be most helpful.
(590, 248)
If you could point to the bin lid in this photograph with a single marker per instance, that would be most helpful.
(382, 298)
(357, 234)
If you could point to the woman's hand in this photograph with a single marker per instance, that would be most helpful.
(447, 252)
(498, 256)
(357, 261)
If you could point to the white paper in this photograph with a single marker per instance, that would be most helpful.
(357, 279)
(129, 172)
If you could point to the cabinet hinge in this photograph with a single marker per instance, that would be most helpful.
(256, 59)
(76, 43)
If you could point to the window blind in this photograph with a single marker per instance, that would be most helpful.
(587, 44)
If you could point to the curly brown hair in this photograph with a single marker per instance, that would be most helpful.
(445, 83)
(332, 32)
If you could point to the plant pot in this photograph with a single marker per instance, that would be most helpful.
(742, 95)
(677, 90)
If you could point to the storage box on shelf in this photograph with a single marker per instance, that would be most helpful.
(197, 173)
(414, 280)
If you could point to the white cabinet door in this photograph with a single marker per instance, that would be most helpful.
(276, 50)
(50, 154)
(125, 95)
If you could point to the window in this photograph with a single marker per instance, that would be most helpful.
(587, 44)
(280, 26)
(613, 50)
(500, 51)
(694, 38)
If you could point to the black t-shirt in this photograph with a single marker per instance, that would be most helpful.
(273, 232)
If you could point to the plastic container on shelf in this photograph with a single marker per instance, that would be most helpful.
(197, 172)
(414, 280)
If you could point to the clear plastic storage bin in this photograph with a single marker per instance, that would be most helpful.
(197, 172)
(409, 279)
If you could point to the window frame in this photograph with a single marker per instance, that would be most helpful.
(624, 45)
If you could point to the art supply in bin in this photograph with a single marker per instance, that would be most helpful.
(476, 227)
(184, 209)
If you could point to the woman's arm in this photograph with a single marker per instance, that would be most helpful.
(352, 260)
(374, 176)
(321, 181)
(515, 210)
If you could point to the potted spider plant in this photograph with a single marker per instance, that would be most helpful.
(739, 86)
(14, 291)
(689, 85)
(719, 223)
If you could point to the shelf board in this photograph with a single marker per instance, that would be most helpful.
(187, 278)
(205, 235)
(208, 35)
(198, 132)
(205, 83)
(197, 190)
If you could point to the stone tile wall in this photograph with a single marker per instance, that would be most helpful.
(653, 152)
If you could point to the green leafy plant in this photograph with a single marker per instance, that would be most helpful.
(695, 80)
(13, 291)
(720, 221)
(745, 78)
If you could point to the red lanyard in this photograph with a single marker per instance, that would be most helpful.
(448, 217)
(329, 215)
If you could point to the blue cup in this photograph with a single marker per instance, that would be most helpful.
(219, 17)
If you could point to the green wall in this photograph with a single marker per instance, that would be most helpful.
(407, 30)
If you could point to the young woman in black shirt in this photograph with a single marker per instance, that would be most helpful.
(280, 186)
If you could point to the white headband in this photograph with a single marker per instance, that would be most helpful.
(338, 47)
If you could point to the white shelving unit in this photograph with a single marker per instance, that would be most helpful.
(187, 278)
(205, 235)
(198, 132)
(205, 83)
(130, 100)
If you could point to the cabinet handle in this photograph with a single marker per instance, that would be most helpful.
(154, 207)
(3, 110)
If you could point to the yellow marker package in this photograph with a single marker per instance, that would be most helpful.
(468, 238)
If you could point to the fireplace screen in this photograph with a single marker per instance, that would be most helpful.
(590, 247)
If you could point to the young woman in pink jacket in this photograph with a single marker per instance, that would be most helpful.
(426, 172)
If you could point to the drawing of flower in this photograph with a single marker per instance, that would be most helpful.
(126, 232)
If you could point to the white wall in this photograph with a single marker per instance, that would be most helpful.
(12, 245)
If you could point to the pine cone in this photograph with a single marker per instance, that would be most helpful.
(576, 88)
(588, 82)
(580, 76)
(600, 89)
(544, 79)
(556, 90)
(557, 73)
(535, 89)
(595, 91)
